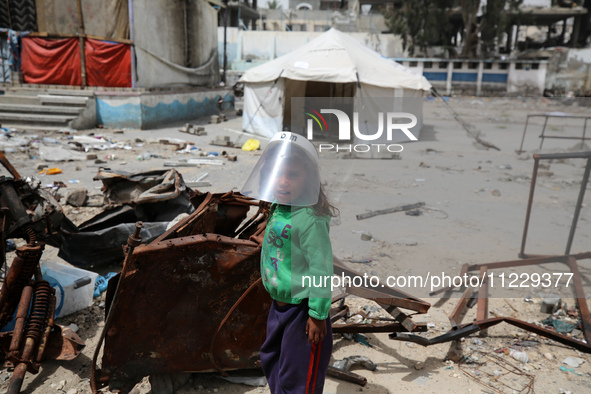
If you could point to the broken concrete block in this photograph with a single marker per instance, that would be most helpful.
(214, 119)
(187, 128)
(77, 197)
(550, 304)
(198, 131)
(91, 156)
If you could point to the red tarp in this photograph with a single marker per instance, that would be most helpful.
(57, 62)
(107, 64)
(50, 61)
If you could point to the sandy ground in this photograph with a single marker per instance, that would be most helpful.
(475, 210)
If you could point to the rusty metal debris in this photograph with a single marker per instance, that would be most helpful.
(496, 374)
(580, 199)
(29, 212)
(153, 197)
(192, 300)
(561, 116)
(480, 297)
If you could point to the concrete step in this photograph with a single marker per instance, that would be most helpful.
(11, 117)
(20, 91)
(62, 100)
(26, 91)
(40, 109)
(18, 99)
(33, 127)
(71, 92)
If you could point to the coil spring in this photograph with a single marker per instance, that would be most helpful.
(30, 258)
(31, 234)
(39, 311)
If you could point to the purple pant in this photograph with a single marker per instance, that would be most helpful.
(287, 358)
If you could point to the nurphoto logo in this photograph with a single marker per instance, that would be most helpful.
(372, 130)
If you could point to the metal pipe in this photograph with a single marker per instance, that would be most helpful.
(16, 381)
(9, 166)
(543, 131)
(134, 240)
(21, 317)
(573, 226)
(530, 200)
(523, 136)
(346, 376)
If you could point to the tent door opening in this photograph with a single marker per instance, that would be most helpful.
(315, 89)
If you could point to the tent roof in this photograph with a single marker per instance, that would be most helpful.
(336, 57)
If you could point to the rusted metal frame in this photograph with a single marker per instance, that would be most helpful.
(386, 295)
(451, 335)
(470, 328)
(385, 301)
(581, 299)
(344, 328)
(530, 199)
(339, 311)
(578, 206)
(209, 237)
(523, 136)
(336, 315)
(482, 310)
(569, 341)
(232, 197)
(531, 261)
(21, 317)
(8, 166)
(484, 323)
(456, 314)
(463, 272)
(543, 136)
(346, 376)
(194, 216)
(543, 131)
(133, 241)
(553, 156)
(224, 320)
(404, 320)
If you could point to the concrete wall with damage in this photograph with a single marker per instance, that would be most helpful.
(106, 18)
(175, 43)
(147, 110)
(570, 71)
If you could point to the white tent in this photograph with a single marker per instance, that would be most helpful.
(331, 65)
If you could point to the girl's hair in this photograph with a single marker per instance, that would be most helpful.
(323, 207)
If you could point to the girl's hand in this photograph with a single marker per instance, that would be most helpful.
(316, 330)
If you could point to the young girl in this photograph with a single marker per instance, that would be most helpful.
(296, 259)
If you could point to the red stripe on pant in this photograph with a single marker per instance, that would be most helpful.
(313, 368)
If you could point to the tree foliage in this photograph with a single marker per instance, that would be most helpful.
(273, 5)
(420, 23)
(423, 23)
